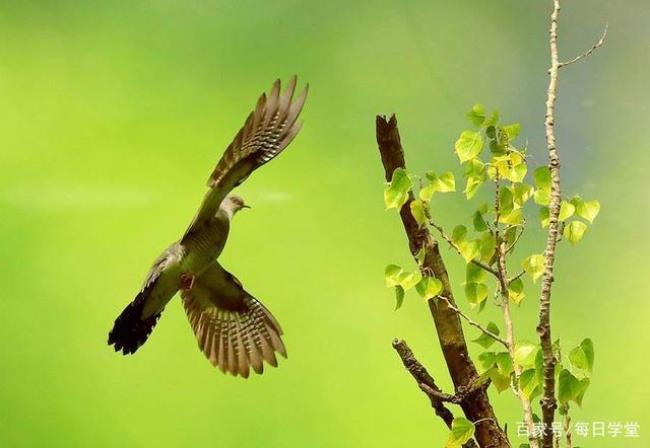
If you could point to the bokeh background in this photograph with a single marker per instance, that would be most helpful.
(113, 113)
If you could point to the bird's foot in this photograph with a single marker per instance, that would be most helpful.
(187, 281)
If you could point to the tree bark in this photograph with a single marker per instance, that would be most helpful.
(476, 405)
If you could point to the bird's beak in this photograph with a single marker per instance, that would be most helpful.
(245, 206)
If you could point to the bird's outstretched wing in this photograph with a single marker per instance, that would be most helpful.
(267, 131)
(234, 330)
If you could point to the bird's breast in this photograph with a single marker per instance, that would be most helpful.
(204, 247)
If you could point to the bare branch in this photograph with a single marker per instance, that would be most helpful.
(548, 401)
(473, 323)
(424, 381)
(587, 53)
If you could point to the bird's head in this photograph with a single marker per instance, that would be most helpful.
(232, 204)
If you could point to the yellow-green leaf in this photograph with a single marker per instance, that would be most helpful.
(476, 293)
(477, 115)
(574, 231)
(516, 291)
(418, 212)
(469, 145)
(392, 275)
(461, 431)
(469, 250)
(410, 280)
(525, 354)
(587, 210)
(399, 297)
(566, 210)
(534, 266)
(396, 192)
(429, 287)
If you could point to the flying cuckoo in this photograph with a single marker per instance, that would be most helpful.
(235, 331)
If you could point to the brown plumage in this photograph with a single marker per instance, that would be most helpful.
(233, 329)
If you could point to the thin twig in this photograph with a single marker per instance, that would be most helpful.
(473, 323)
(446, 237)
(587, 53)
(501, 253)
(516, 277)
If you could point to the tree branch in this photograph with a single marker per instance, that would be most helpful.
(476, 405)
(427, 385)
(424, 381)
(587, 53)
(548, 401)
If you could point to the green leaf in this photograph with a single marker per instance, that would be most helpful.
(488, 246)
(418, 211)
(506, 200)
(534, 266)
(399, 297)
(469, 145)
(528, 382)
(396, 193)
(522, 193)
(491, 122)
(571, 388)
(426, 192)
(446, 182)
(587, 210)
(410, 280)
(544, 216)
(429, 287)
(574, 231)
(476, 293)
(472, 186)
(525, 354)
(459, 234)
(479, 222)
(542, 176)
(475, 274)
(516, 291)
(566, 210)
(392, 275)
(477, 115)
(500, 381)
(542, 197)
(486, 361)
(475, 173)
(510, 235)
(484, 340)
(512, 130)
(582, 357)
(469, 250)
(504, 363)
(461, 431)
(514, 218)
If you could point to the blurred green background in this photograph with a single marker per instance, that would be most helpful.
(112, 115)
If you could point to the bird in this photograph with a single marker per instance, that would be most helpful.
(234, 330)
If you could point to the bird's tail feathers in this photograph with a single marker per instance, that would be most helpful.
(130, 330)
